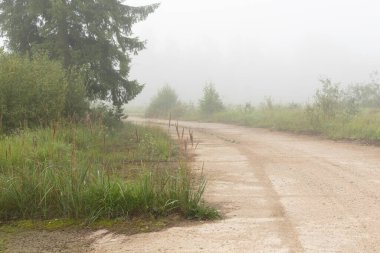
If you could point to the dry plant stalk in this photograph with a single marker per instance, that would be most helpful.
(137, 136)
(55, 125)
(34, 140)
(191, 137)
(104, 141)
(177, 130)
(73, 150)
(8, 153)
(170, 150)
(185, 145)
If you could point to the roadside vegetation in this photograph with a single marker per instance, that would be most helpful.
(59, 158)
(67, 159)
(88, 172)
(351, 112)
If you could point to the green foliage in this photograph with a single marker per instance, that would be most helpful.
(37, 92)
(210, 103)
(83, 172)
(331, 102)
(366, 95)
(93, 35)
(164, 103)
(31, 92)
(328, 99)
(76, 103)
(109, 116)
(186, 111)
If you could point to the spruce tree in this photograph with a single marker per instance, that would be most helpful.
(95, 35)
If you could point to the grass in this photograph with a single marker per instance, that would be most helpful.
(279, 118)
(90, 173)
(363, 126)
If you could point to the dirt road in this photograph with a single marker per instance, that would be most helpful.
(278, 193)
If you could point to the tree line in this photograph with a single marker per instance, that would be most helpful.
(330, 101)
(166, 103)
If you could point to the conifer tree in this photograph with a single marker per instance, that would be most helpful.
(95, 35)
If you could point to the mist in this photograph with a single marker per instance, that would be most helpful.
(251, 49)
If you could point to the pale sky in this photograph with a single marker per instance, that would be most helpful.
(256, 48)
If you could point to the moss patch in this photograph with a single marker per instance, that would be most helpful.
(42, 235)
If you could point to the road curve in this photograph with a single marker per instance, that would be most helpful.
(278, 192)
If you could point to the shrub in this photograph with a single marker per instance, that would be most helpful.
(164, 103)
(107, 115)
(331, 102)
(366, 95)
(328, 99)
(211, 102)
(32, 92)
(37, 92)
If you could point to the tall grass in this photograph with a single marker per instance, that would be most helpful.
(278, 118)
(81, 172)
(363, 126)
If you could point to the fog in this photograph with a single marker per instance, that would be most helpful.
(255, 48)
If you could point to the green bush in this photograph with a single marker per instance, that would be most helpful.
(164, 103)
(37, 92)
(109, 116)
(210, 103)
(32, 92)
(328, 100)
(366, 95)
